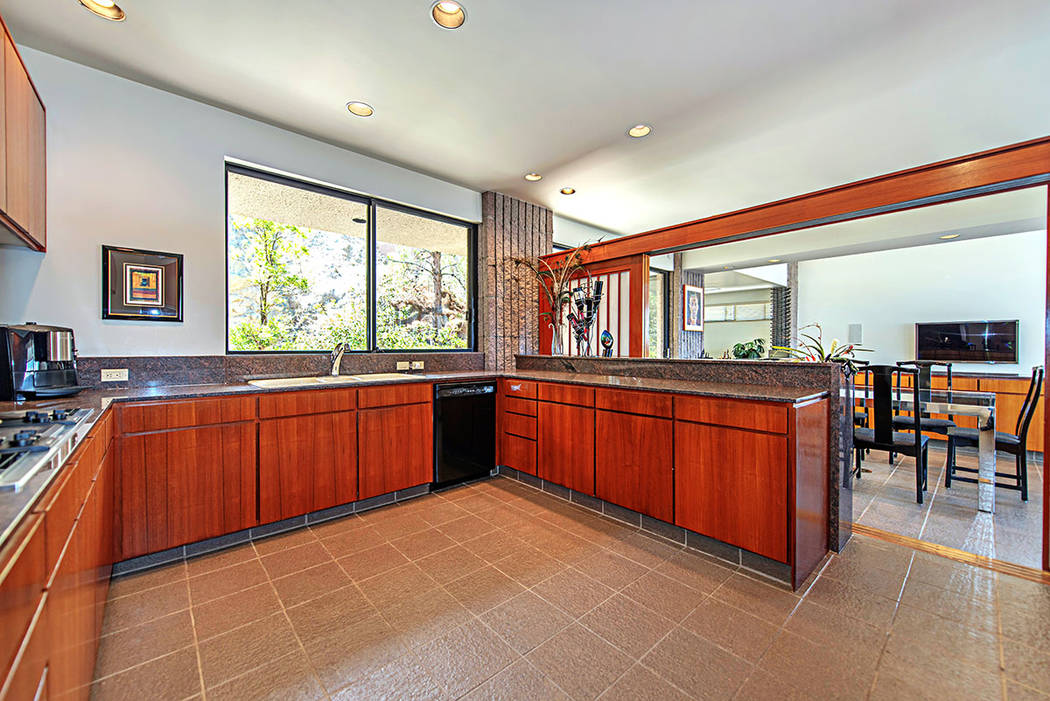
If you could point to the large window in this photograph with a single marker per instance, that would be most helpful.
(657, 314)
(309, 267)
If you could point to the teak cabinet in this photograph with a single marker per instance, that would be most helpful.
(516, 425)
(565, 436)
(396, 448)
(23, 176)
(55, 579)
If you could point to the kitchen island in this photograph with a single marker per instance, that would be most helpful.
(737, 470)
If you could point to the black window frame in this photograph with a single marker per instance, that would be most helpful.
(371, 263)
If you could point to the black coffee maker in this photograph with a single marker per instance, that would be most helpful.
(37, 361)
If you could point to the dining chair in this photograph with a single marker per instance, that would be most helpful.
(941, 427)
(882, 436)
(1014, 443)
(860, 416)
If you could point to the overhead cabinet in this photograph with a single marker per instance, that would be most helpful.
(23, 172)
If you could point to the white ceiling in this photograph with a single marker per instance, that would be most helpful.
(992, 215)
(750, 101)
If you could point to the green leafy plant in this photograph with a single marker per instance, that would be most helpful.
(750, 350)
(811, 349)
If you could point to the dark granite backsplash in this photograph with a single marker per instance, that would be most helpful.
(155, 371)
(825, 376)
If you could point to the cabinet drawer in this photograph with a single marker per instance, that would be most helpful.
(735, 413)
(27, 678)
(392, 395)
(61, 504)
(519, 406)
(630, 402)
(524, 426)
(519, 388)
(566, 394)
(519, 453)
(320, 401)
(963, 384)
(158, 416)
(22, 570)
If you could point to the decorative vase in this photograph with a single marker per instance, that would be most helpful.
(556, 340)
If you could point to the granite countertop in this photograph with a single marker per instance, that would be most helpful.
(100, 399)
(14, 506)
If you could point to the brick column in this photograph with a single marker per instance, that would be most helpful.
(508, 298)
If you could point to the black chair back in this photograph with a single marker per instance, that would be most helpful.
(882, 381)
(1031, 402)
(925, 377)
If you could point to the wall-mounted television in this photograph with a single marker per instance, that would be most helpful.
(967, 341)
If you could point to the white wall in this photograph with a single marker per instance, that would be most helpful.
(1001, 277)
(720, 336)
(130, 165)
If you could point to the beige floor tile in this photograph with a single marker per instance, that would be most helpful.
(580, 662)
(396, 585)
(217, 561)
(310, 583)
(817, 671)
(424, 617)
(1020, 692)
(612, 570)
(763, 686)
(173, 676)
(629, 626)
(529, 566)
(728, 627)
(496, 545)
(399, 526)
(641, 684)
(142, 606)
(520, 680)
(133, 646)
(484, 589)
(466, 528)
(526, 621)
(230, 580)
(295, 559)
(465, 657)
(697, 666)
(130, 583)
(373, 561)
(282, 541)
(335, 526)
(222, 615)
(403, 678)
(758, 598)
(854, 601)
(246, 648)
(450, 564)
(573, 592)
(927, 639)
(975, 613)
(343, 607)
(351, 541)
(349, 653)
(903, 678)
(1027, 665)
(289, 677)
(422, 544)
(698, 571)
(668, 597)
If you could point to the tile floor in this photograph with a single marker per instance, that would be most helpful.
(497, 591)
(885, 498)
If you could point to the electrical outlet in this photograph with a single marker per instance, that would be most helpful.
(417, 364)
(402, 365)
(120, 375)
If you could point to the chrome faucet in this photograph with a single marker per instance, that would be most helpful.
(337, 357)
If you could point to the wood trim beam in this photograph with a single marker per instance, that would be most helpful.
(1007, 168)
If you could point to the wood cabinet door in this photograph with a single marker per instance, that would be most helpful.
(518, 453)
(732, 485)
(633, 463)
(306, 463)
(176, 487)
(395, 448)
(24, 141)
(4, 41)
(23, 564)
(565, 445)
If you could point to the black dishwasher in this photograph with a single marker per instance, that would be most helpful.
(464, 432)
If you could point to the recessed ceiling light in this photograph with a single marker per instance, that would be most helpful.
(568, 190)
(774, 260)
(533, 177)
(448, 14)
(104, 8)
(948, 237)
(639, 130)
(361, 109)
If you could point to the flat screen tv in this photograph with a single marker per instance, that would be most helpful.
(967, 341)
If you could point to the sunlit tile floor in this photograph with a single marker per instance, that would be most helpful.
(497, 591)
(885, 498)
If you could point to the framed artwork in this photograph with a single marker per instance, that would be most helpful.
(141, 285)
(693, 308)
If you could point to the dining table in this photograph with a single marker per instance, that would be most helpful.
(956, 403)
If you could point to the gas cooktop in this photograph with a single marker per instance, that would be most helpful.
(33, 440)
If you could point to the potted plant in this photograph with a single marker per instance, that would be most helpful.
(750, 350)
(556, 283)
(811, 349)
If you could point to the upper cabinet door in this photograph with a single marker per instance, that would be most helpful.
(24, 139)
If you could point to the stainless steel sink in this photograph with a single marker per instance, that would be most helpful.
(277, 382)
(302, 381)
